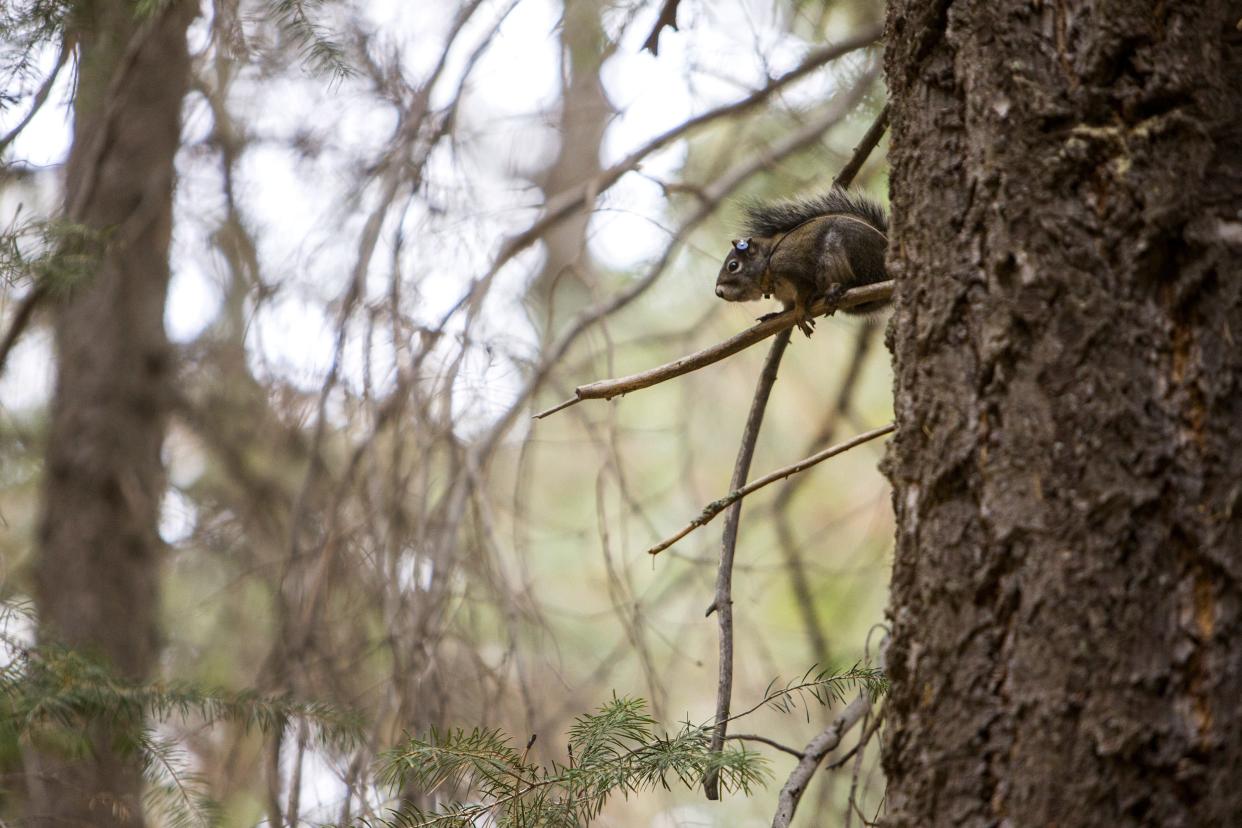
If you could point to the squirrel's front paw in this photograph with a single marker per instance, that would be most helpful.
(807, 325)
(768, 316)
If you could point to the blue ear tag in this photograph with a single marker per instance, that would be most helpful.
(742, 245)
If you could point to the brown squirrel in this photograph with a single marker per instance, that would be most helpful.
(802, 250)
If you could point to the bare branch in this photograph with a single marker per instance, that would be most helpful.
(716, 507)
(815, 751)
(607, 389)
(869, 730)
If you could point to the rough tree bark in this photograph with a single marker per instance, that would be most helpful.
(1067, 589)
(98, 542)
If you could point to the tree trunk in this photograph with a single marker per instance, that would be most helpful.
(1067, 588)
(97, 570)
(565, 283)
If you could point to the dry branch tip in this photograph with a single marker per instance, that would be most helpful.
(561, 406)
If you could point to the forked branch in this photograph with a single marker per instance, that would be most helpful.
(812, 755)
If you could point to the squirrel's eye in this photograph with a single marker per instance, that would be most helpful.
(735, 266)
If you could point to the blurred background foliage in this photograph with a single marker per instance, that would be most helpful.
(359, 510)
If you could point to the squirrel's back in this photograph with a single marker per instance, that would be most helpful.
(770, 219)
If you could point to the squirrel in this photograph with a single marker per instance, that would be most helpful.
(802, 250)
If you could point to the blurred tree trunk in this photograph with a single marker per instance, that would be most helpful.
(565, 281)
(1067, 589)
(99, 546)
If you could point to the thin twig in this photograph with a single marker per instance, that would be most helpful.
(607, 389)
(716, 507)
(754, 737)
(861, 152)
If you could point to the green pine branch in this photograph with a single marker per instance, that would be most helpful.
(52, 686)
(54, 697)
(615, 750)
(53, 254)
(314, 42)
(25, 26)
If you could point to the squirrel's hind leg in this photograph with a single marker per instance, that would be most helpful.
(836, 271)
(833, 296)
(806, 323)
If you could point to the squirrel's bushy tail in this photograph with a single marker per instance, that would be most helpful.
(770, 219)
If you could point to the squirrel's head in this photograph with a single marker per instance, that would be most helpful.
(741, 275)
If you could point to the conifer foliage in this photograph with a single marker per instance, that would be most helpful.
(55, 698)
(618, 749)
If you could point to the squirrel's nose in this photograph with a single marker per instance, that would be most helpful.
(720, 292)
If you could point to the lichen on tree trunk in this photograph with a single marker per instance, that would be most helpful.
(1067, 587)
(99, 548)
